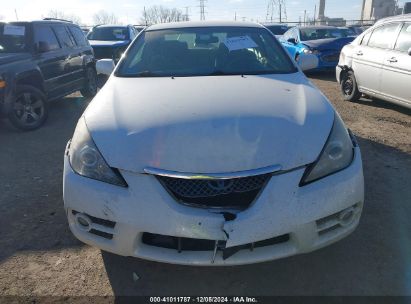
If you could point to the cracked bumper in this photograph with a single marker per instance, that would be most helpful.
(282, 208)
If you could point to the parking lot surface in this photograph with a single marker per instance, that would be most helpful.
(39, 256)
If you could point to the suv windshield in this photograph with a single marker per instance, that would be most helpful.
(205, 51)
(322, 33)
(12, 38)
(109, 33)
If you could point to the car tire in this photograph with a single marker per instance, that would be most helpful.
(349, 87)
(29, 110)
(90, 88)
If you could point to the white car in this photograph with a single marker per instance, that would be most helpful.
(209, 146)
(378, 63)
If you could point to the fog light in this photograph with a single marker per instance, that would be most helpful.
(83, 221)
(346, 217)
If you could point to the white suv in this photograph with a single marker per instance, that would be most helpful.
(378, 63)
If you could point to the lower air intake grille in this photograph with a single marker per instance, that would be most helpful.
(216, 193)
(331, 57)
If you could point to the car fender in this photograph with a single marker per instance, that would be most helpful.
(16, 75)
(89, 60)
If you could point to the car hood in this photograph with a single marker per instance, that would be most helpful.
(101, 43)
(7, 58)
(326, 44)
(215, 124)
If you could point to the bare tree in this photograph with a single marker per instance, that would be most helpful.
(62, 15)
(161, 14)
(102, 17)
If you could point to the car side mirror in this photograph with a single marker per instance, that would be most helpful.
(105, 66)
(292, 40)
(43, 47)
(308, 62)
(409, 51)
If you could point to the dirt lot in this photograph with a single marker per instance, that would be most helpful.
(39, 256)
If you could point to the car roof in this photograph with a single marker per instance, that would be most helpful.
(188, 24)
(405, 17)
(111, 25)
(40, 21)
(317, 27)
(274, 24)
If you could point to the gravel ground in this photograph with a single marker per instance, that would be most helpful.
(40, 257)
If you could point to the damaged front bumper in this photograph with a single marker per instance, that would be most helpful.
(144, 221)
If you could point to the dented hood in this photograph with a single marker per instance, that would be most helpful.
(216, 124)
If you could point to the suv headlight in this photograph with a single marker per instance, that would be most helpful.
(337, 154)
(87, 161)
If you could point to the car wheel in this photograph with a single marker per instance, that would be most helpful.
(30, 109)
(349, 87)
(90, 89)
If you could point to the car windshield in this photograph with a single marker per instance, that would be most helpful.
(205, 51)
(277, 29)
(12, 38)
(347, 32)
(109, 33)
(321, 33)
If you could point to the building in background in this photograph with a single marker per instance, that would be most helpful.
(324, 20)
(377, 9)
(321, 12)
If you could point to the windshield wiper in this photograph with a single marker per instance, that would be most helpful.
(144, 74)
(222, 73)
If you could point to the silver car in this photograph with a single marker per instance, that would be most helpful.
(378, 63)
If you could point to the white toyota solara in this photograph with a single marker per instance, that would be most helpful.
(209, 146)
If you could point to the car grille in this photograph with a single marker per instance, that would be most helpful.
(216, 193)
(331, 57)
(194, 245)
(103, 52)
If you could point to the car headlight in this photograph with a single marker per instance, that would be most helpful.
(87, 161)
(337, 154)
(311, 51)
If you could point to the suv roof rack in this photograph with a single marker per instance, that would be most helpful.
(57, 19)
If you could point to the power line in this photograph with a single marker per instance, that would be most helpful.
(186, 16)
(274, 7)
(202, 9)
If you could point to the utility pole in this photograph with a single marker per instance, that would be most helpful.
(186, 16)
(272, 7)
(305, 16)
(315, 14)
(235, 16)
(145, 16)
(17, 17)
(280, 12)
(202, 9)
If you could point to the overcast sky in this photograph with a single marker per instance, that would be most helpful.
(130, 11)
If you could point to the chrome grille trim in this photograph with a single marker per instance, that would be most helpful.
(213, 176)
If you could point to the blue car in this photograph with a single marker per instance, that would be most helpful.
(325, 42)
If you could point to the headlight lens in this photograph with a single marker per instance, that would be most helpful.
(337, 154)
(86, 160)
(311, 51)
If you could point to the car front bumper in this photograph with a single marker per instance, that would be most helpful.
(310, 217)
